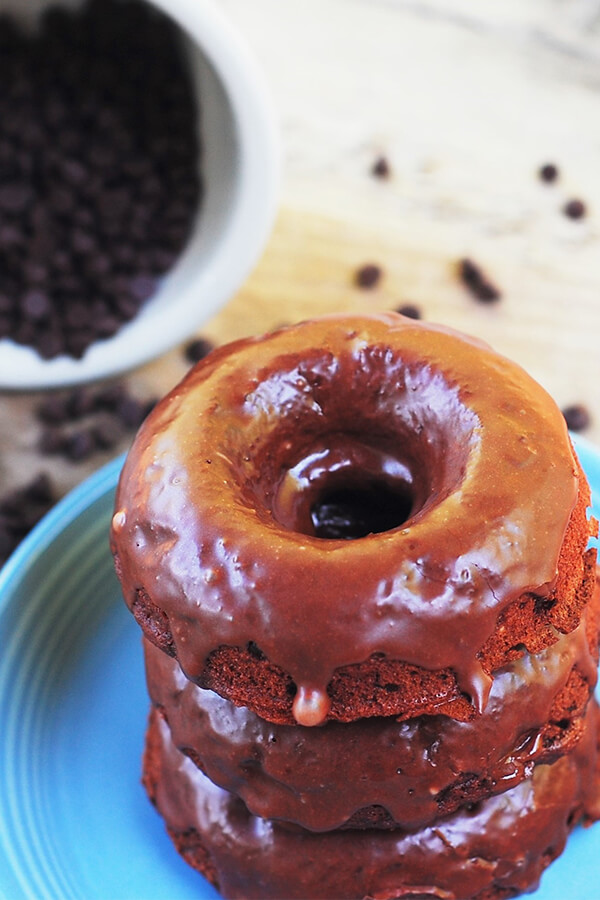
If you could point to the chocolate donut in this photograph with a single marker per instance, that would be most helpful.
(448, 465)
(488, 851)
(380, 772)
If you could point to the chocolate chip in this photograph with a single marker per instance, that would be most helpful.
(79, 445)
(77, 342)
(142, 288)
(35, 272)
(83, 243)
(36, 305)
(80, 403)
(51, 441)
(130, 412)
(106, 433)
(410, 310)
(368, 276)
(50, 344)
(14, 198)
(473, 277)
(548, 173)
(73, 171)
(575, 209)
(54, 409)
(7, 544)
(108, 324)
(39, 490)
(110, 396)
(10, 235)
(381, 168)
(197, 349)
(577, 417)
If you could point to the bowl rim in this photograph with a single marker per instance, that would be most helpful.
(240, 244)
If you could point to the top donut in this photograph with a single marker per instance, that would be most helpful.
(356, 515)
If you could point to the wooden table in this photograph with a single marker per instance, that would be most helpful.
(466, 99)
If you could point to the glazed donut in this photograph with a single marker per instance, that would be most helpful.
(424, 768)
(489, 851)
(447, 465)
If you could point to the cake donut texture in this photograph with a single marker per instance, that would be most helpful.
(323, 778)
(447, 462)
(489, 851)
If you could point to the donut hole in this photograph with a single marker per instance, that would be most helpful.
(339, 448)
(358, 510)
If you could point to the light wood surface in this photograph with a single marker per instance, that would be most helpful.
(466, 99)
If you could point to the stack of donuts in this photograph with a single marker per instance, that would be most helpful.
(359, 552)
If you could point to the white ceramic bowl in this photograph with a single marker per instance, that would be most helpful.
(240, 167)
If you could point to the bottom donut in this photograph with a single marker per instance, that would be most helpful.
(492, 850)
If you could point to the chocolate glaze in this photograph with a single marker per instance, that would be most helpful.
(320, 777)
(496, 848)
(211, 514)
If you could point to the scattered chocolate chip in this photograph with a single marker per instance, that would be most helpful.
(109, 396)
(381, 168)
(39, 490)
(54, 409)
(21, 509)
(130, 412)
(410, 310)
(6, 542)
(574, 209)
(99, 183)
(106, 433)
(81, 402)
(473, 277)
(577, 417)
(51, 440)
(368, 276)
(79, 445)
(198, 349)
(548, 173)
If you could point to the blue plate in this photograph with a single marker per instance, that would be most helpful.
(74, 819)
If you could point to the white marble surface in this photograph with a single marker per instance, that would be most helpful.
(466, 99)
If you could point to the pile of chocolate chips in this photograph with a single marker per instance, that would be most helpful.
(99, 182)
